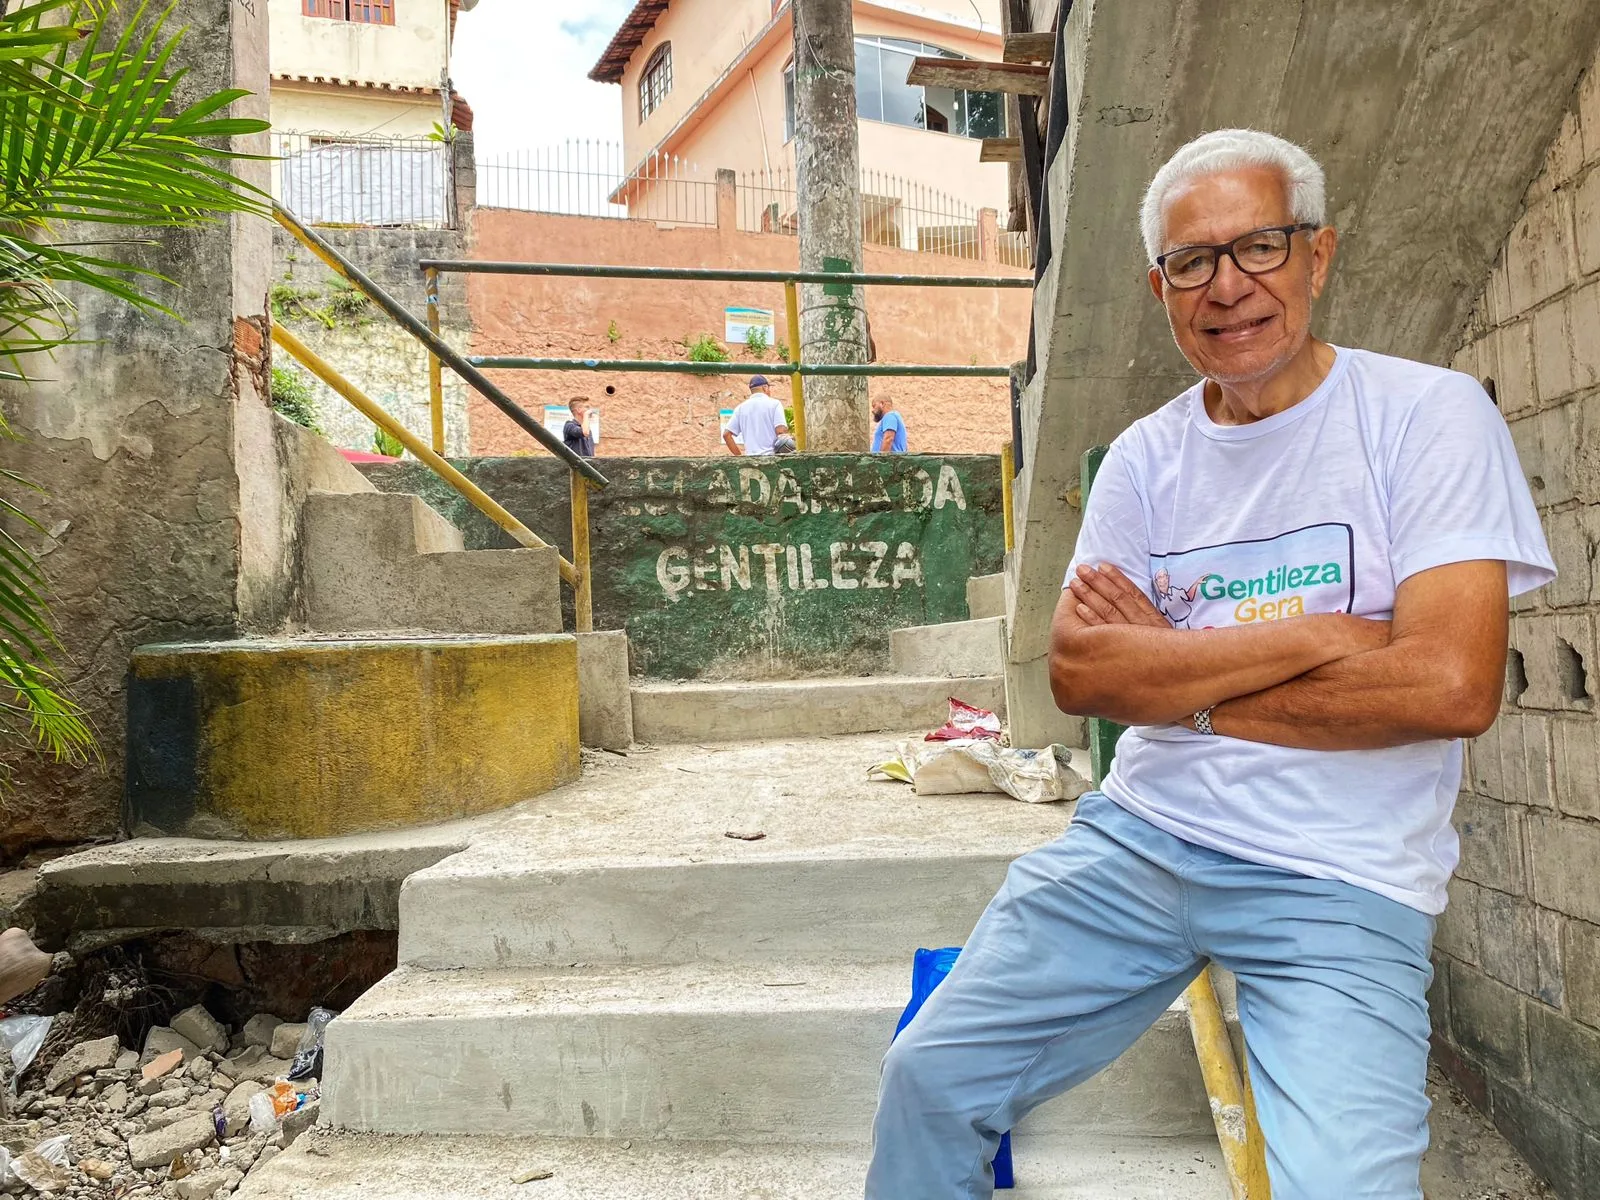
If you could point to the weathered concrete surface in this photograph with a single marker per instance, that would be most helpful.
(952, 649)
(328, 1165)
(293, 891)
(1431, 118)
(986, 596)
(272, 738)
(381, 359)
(1034, 719)
(605, 707)
(631, 864)
(736, 710)
(386, 561)
(131, 435)
(755, 568)
(787, 1054)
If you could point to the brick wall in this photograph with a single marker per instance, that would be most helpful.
(1517, 1000)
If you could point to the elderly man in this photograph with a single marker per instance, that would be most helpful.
(1344, 529)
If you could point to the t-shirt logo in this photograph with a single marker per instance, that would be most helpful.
(1306, 570)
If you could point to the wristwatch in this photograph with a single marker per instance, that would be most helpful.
(1202, 722)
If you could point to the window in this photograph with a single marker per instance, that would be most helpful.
(882, 93)
(362, 12)
(656, 81)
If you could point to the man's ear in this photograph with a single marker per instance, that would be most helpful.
(1324, 244)
(1155, 284)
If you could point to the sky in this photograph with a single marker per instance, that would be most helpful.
(523, 65)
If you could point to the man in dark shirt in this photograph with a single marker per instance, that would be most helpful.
(575, 433)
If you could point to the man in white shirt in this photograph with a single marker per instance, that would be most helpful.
(759, 421)
(1332, 535)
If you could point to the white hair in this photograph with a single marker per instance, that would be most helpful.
(1234, 150)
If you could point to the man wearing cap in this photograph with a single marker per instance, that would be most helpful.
(759, 421)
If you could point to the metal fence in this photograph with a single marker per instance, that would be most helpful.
(331, 179)
(895, 212)
(588, 178)
(591, 179)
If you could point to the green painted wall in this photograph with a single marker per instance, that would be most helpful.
(755, 567)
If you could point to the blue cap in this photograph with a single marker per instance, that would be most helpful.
(757, 381)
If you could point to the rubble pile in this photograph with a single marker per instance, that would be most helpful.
(188, 1116)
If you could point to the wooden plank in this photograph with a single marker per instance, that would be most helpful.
(1006, 150)
(973, 75)
(1030, 47)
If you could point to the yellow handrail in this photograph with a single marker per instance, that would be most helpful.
(1232, 1105)
(1007, 473)
(324, 371)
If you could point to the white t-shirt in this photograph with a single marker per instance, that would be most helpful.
(1389, 468)
(756, 423)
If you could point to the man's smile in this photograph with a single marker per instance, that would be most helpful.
(1238, 330)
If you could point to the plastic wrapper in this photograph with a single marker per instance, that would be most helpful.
(308, 1058)
(45, 1168)
(967, 722)
(955, 767)
(263, 1113)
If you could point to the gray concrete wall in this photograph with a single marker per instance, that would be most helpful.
(133, 438)
(375, 354)
(1431, 118)
(1517, 998)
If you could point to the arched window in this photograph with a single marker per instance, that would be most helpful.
(656, 81)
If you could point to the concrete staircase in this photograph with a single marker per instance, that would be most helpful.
(384, 561)
(615, 988)
(931, 663)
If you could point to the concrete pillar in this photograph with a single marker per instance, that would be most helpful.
(158, 457)
(463, 179)
(727, 201)
(988, 235)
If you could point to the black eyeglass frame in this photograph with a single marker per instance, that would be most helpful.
(1228, 248)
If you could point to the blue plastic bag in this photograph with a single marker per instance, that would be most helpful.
(928, 969)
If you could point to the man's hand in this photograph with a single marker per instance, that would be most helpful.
(1106, 596)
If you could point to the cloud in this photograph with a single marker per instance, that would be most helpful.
(594, 28)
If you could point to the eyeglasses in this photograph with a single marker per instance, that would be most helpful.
(1255, 253)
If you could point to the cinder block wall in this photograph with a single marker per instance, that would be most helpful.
(1517, 1000)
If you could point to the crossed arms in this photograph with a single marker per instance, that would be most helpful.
(1322, 682)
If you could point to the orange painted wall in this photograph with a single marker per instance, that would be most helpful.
(678, 414)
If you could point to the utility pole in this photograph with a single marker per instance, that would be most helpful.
(833, 319)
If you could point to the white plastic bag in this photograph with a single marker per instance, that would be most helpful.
(955, 767)
(46, 1167)
(22, 1038)
(263, 1117)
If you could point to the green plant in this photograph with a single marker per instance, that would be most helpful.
(705, 348)
(783, 351)
(348, 302)
(291, 397)
(289, 302)
(755, 340)
(384, 442)
(94, 131)
(613, 333)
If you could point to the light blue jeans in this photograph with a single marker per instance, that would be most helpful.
(1093, 936)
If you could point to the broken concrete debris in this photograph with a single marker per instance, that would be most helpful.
(173, 1122)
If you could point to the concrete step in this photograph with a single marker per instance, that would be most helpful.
(790, 1053)
(632, 864)
(742, 710)
(986, 596)
(342, 1166)
(953, 649)
(383, 561)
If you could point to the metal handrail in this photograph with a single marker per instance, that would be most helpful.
(582, 473)
(436, 345)
(796, 369)
(471, 266)
(374, 412)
